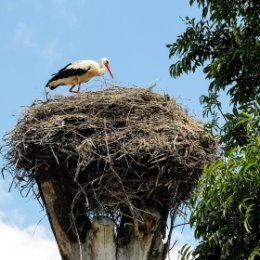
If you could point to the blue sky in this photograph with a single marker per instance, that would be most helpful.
(38, 37)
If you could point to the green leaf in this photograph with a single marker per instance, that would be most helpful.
(224, 42)
(205, 11)
(254, 253)
(240, 122)
(185, 253)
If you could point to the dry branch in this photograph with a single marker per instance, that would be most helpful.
(113, 152)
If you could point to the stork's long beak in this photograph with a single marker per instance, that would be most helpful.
(110, 71)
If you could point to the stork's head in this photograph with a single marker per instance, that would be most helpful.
(105, 61)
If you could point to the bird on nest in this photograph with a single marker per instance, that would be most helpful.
(79, 72)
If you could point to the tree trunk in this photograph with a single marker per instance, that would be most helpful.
(100, 241)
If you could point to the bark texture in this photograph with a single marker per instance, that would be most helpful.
(100, 241)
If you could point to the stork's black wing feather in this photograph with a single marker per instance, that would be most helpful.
(61, 69)
(66, 73)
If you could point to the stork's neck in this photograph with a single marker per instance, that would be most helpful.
(102, 68)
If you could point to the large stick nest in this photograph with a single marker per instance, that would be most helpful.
(112, 147)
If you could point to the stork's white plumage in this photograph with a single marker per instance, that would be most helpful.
(79, 72)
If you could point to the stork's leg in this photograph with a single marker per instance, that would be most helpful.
(71, 89)
(78, 91)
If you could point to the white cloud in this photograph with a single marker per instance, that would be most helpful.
(23, 35)
(51, 52)
(4, 194)
(181, 241)
(180, 237)
(62, 8)
(23, 243)
(13, 217)
(26, 243)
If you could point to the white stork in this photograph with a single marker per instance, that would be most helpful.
(79, 72)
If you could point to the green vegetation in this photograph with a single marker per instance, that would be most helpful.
(225, 208)
(226, 41)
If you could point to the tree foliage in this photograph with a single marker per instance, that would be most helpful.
(225, 210)
(226, 43)
(225, 207)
